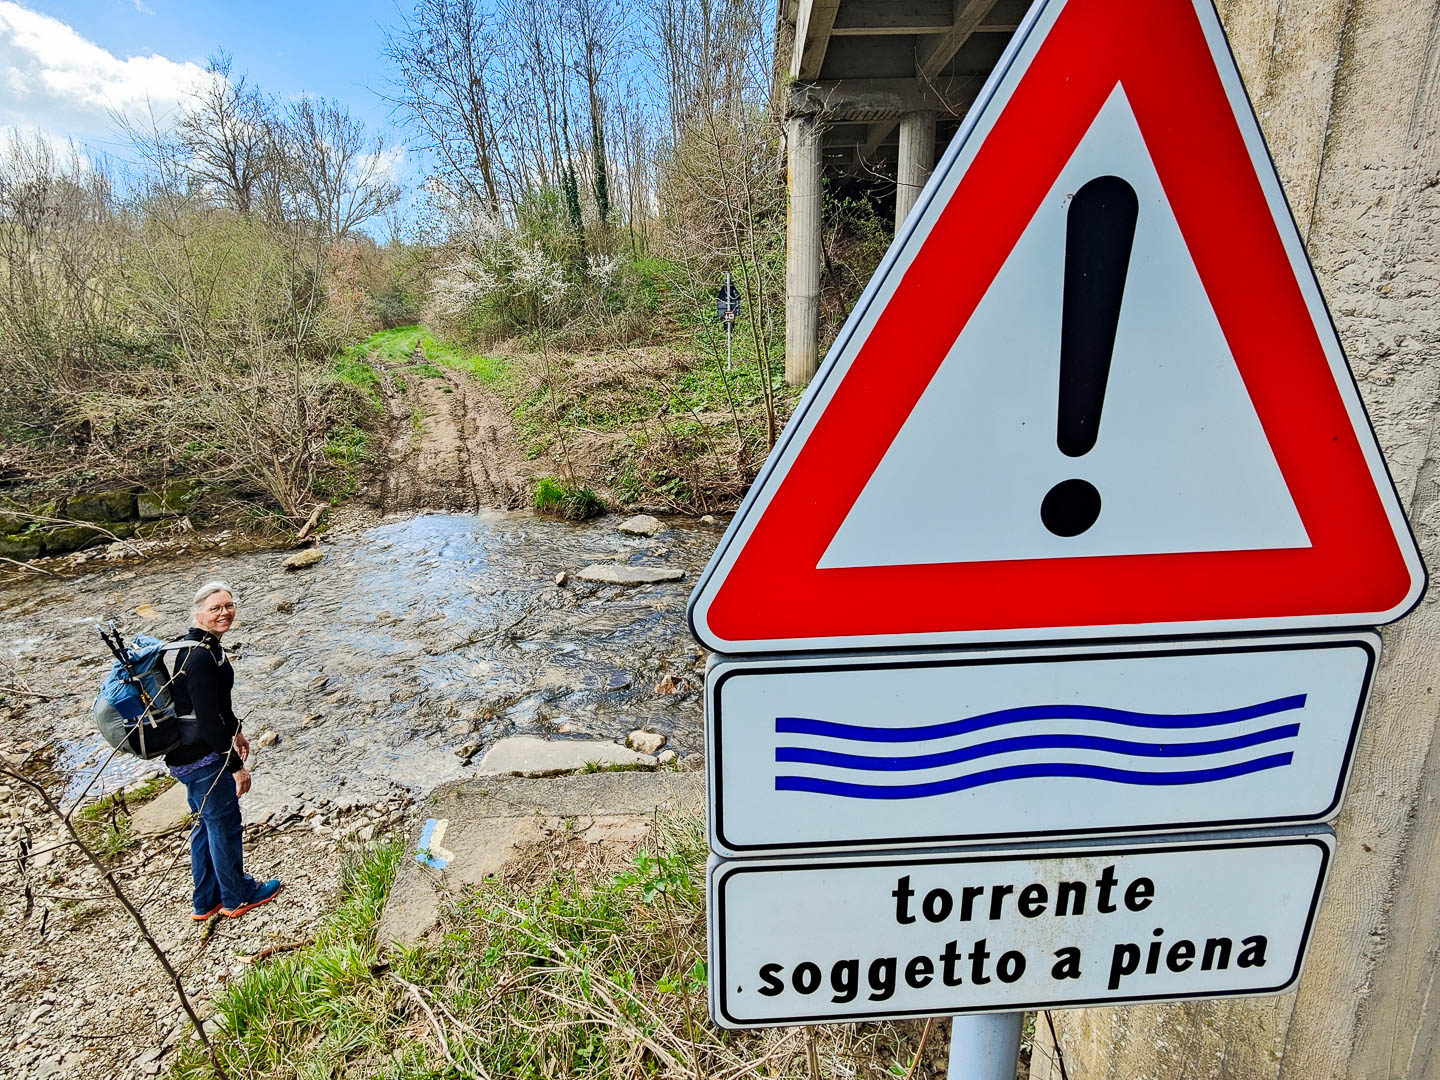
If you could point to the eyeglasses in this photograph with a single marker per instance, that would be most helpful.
(222, 607)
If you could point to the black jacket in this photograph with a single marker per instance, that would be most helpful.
(202, 683)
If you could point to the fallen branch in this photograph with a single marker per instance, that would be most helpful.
(434, 1021)
(310, 525)
(28, 566)
(107, 875)
(271, 950)
(32, 693)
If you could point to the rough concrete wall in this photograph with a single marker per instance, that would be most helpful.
(1348, 93)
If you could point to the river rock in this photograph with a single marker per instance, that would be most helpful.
(467, 751)
(665, 757)
(165, 813)
(707, 519)
(561, 579)
(610, 574)
(267, 738)
(301, 559)
(645, 742)
(641, 525)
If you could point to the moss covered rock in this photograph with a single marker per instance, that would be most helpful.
(173, 499)
(22, 546)
(72, 538)
(101, 506)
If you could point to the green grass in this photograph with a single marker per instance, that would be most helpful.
(486, 369)
(307, 1013)
(556, 972)
(346, 445)
(395, 345)
(572, 501)
(399, 345)
(105, 823)
(353, 368)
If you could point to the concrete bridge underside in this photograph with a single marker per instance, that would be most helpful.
(878, 88)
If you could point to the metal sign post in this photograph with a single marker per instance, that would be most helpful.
(985, 1047)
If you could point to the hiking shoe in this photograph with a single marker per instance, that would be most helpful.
(263, 895)
(204, 916)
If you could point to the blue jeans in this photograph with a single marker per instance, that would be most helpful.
(216, 860)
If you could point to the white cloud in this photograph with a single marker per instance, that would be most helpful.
(56, 81)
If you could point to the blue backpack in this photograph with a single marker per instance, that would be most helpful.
(134, 711)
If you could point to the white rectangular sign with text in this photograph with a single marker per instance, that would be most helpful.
(816, 754)
(822, 940)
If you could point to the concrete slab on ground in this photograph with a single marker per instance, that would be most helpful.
(489, 824)
(530, 755)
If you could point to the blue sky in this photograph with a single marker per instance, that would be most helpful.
(65, 63)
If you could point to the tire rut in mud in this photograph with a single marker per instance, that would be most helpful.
(444, 444)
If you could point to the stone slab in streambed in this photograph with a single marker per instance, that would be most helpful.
(170, 810)
(611, 574)
(163, 814)
(474, 829)
(529, 755)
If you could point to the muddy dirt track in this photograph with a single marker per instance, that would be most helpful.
(445, 445)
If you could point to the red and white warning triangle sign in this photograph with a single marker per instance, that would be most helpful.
(1093, 391)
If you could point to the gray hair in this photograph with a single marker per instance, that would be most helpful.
(209, 589)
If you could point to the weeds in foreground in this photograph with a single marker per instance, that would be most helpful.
(105, 823)
(568, 970)
(572, 501)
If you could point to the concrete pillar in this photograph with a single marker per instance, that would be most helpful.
(802, 251)
(917, 158)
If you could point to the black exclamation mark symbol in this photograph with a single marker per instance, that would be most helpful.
(1099, 232)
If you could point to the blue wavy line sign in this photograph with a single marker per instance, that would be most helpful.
(1087, 714)
(912, 750)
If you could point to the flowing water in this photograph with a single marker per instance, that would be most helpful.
(413, 637)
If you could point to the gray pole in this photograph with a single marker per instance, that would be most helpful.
(985, 1047)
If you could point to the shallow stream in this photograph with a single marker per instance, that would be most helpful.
(414, 637)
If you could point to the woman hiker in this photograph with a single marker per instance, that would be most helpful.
(210, 762)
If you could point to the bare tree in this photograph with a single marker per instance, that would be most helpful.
(61, 248)
(599, 26)
(339, 175)
(226, 136)
(444, 57)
